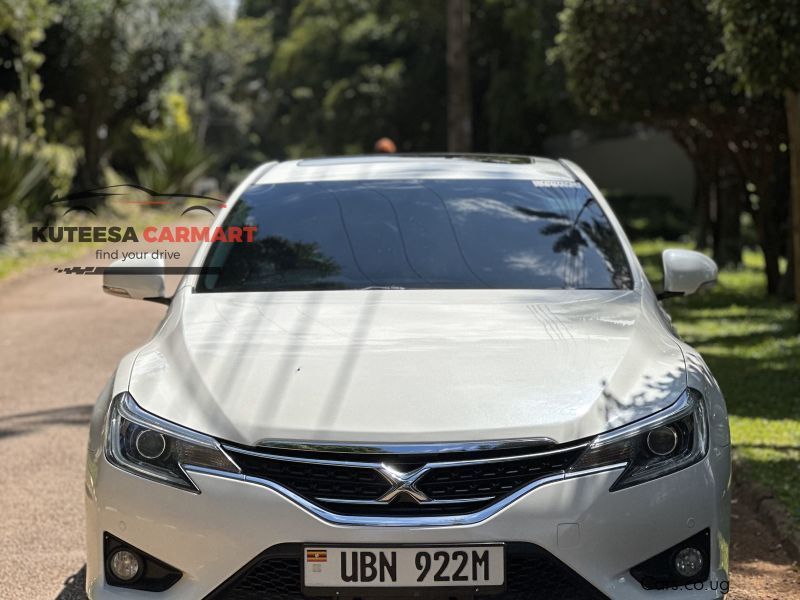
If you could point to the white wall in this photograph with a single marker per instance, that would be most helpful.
(647, 162)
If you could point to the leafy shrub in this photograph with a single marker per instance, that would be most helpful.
(174, 159)
(173, 164)
(25, 182)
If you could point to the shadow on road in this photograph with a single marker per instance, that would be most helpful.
(21, 423)
(74, 586)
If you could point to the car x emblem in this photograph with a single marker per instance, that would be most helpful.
(403, 484)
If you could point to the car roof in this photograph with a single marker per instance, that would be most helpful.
(417, 166)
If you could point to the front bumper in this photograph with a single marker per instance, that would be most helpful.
(598, 534)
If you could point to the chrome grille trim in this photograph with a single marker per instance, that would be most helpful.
(366, 521)
(434, 502)
(404, 448)
(306, 461)
(433, 464)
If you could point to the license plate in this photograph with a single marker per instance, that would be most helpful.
(332, 568)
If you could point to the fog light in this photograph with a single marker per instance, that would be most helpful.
(150, 444)
(662, 441)
(124, 565)
(689, 562)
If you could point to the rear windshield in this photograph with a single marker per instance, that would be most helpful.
(422, 234)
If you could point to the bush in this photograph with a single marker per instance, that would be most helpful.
(174, 163)
(25, 182)
(174, 159)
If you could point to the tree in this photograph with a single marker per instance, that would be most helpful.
(105, 60)
(174, 158)
(340, 78)
(653, 62)
(25, 21)
(222, 75)
(519, 99)
(459, 89)
(762, 50)
(29, 173)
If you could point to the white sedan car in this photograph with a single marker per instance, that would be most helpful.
(424, 377)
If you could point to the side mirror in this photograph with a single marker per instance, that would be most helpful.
(138, 279)
(686, 271)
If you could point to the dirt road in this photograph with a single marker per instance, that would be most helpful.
(61, 338)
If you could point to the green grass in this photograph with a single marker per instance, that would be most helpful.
(751, 344)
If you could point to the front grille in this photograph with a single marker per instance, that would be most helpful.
(312, 480)
(493, 478)
(275, 578)
(531, 574)
(368, 483)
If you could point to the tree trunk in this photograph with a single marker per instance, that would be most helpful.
(769, 233)
(793, 123)
(750, 168)
(88, 175)
(704, 163)
(728, 232)
(459, 87)
(771, 248)
(728, 242)
(702, 209)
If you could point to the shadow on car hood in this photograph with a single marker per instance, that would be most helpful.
(408, 365)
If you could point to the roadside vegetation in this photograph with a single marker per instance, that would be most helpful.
(751, 345)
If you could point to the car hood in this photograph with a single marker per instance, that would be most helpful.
(408, 365)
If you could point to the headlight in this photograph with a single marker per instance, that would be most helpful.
(663, 443)
(141, 443)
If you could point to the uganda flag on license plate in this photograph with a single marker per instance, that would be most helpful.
(313, 556)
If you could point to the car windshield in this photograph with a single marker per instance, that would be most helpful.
(418, 234)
